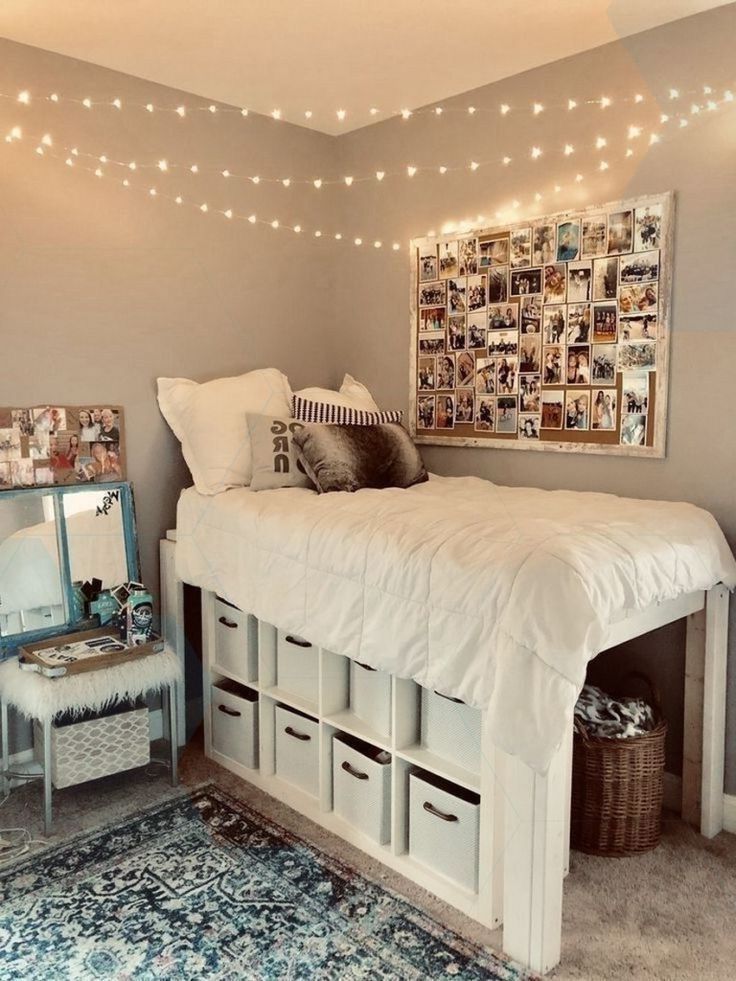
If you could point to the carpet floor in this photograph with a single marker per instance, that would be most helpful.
(666, 916)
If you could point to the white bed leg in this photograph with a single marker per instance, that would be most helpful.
(692, 749)
(534, 861)
(714, 711)
(208, 659)
(568, 800)
(172, 622)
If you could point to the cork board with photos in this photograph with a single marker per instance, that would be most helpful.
(547, 334)
(51, 445)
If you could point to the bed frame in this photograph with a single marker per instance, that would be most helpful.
(526, 821)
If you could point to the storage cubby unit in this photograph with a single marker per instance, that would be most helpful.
(348, 747)
(236, 642)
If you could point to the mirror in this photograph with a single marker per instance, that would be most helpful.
(52, 539)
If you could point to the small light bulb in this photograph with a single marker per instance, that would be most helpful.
(634, 131)
(252, 219)
(443, 169)
(472, 110)
(243, 112)
(226, 173)
(24, 97)
(654, 138)
(87, 103)
(707, 90)
(203, 208)
(601, 142)
(683, 123)
(438, 110)
(318, 234)
(181, 111)
(149, 107)
(39, 151)
(126, 182)
(348, 181)
(274, 224)
(603, 165)
(405, 113)
(377, 244)
(474, 165)
(276, 114)
(629, 152)
(557, 188)
(318, 183)
(411, 170)
(338, 236)
(380, 174)
(194, 169)
(69, 162)
(695, 109)
(178, 199)
(515, 204)
(728, 96)
(255, 180)
(664, 118)
(537, 196)
(341, 114)
(536, 152)
(505, 108)
(54, 97)
(396, 246)
(712, 106)
(638, 98)
(373, 111)
(286, 181)
(605, 102)
(117, 103)
(46, 139)
(103, 159)
(162, 165)
(571, 104)
(569, 148)
(297, 228)
(131, 166)
(153, 192)
(16, 133)
(538, 107)
(674, 94)
(358, 241)
(212, 109)
(308, 114)
(75, 152)
(506, 161)
(98, 172)
(578, 178)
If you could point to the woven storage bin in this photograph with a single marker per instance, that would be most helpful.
(617, 789)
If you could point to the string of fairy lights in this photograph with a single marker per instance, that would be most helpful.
(103, 167)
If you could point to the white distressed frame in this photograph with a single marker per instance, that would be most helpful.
(658, 448)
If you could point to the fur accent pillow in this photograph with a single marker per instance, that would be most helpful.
(274, 455)
(308, 411)
(348, 458)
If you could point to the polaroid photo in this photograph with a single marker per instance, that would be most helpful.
(10, 448)
(485, 376)
(464, 369)
(620, 232)
(433, 294)
(553, 364)
(553, 408)
(498, 284)
(521, 248)
(604, 364)
(633, 429)
(456, 332)
(543, 244)
(577, 365)
(428, 268)
(644, 299)
(553, 323)
(605, 323)
(579, 282)
(635, 392)
(432, 319)
(477, 330)
(506, 415)
(49, 419)
(445, 372)
(524, 282)
(568, 241)
(425, 412)
(555, 283)
(578, 323)
(432, 343)
(640, 268)
(605, 278)
(467, 253)
(577, 410)
(464, 405)
(647, 228)
(530, 388)
(637, 356)
(493, 252)
(530, 354)
(22, 420)
(507, 376)
(477, 295)
(445, 412)
(38, 446)
(503, 316)
(44, 476)
(485, 414)
(594, 236)
(637, 327)
(457, 295)
(22, 472)
(426, 374)
(603, 411)
(503, 343)
(529, 426)
(109, 426)
(531, 315)
(448, 260)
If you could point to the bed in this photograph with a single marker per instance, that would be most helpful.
(496, 595)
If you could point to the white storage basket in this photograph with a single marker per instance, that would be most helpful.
(451, 729)
(297, 666)
(235, 722)
(361, 780)
(236, 641)
(443, 828)
(370, 696)
(297, 749)
(98, 747)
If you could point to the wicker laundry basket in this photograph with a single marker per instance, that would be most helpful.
(617, 787)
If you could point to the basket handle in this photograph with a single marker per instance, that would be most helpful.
(580, 729)
(653, 690)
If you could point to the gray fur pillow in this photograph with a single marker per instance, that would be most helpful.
(348, 458)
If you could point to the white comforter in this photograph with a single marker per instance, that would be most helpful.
(497, 595)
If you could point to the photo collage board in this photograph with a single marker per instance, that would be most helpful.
(51, 445)
(551, 333)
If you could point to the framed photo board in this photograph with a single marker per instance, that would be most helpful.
(61, 445)
(547, 334)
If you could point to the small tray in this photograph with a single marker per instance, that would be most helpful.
(89, 650)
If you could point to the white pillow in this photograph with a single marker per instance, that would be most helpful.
(209, 421)
(352, 395)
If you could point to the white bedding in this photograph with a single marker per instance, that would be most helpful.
(496, 595)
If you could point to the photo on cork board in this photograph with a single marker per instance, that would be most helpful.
(428, 267)
(506, 414)
(503, 316)
(465, 369)
(456, 332)
(485, 414)
(433, 294)
(594, 236)
(493, 252)
(425, 412)
(448, 260)
(445, 412)
(467, 254)
(553, 407)
(463, 406)
(603, 411)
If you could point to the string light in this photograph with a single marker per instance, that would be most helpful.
(276, 113)
(228, 213)
(571, 104)
(536, 152)
(505, 109)
(24, 98)
(116, 103)
(411, 170)
(569, 148)
(538, 107)
(474, 165)
(605, 102)
(341, 114)
(442, 169)
(150, 107)
(601, 142)
(380, 174)
(181, 111)
(405, 113)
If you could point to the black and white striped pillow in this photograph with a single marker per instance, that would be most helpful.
(305, 410)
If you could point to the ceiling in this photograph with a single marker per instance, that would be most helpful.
(325, 55)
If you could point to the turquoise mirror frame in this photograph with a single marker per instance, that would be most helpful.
(10, 642)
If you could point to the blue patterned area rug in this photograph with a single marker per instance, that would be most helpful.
(203, 887)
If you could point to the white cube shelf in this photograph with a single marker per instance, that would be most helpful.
(361, 778)
(236, 641)
(444, 823)
(235, 722)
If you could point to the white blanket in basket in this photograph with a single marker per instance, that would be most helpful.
(496, 595)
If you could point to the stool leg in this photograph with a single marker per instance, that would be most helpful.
(171, 704)
(47, 777)
(6, 748)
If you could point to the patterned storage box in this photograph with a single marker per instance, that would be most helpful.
(97, 747)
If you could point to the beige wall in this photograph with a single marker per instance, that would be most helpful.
(697, 163)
